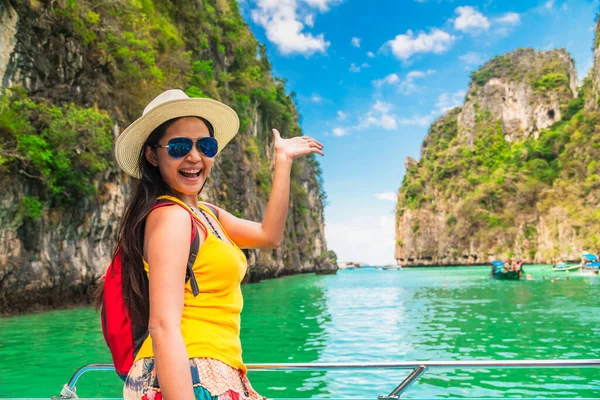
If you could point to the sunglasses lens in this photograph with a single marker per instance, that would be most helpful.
(208, 146)
(179, 147)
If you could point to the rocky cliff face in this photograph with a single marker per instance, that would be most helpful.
(526, 90)
(509, 173)
(80, 73)
(594, 75)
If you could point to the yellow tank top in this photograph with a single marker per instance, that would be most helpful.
(210, 323)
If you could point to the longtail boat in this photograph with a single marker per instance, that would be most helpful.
(500, 272)
(562, 266)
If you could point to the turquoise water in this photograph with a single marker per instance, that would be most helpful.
(358, 316)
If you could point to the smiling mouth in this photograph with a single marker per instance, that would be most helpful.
(190, 173)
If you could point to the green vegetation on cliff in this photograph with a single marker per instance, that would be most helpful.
(497, 181)
(60, 147)
(127, 52)
(492, 187)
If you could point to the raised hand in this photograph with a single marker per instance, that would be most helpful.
(296, 147)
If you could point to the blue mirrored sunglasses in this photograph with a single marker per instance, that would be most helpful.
(181, 146)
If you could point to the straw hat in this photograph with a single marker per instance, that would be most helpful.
(171, 104)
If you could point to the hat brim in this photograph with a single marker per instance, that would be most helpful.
(129, 143)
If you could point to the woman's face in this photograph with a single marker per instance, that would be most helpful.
(185, 175)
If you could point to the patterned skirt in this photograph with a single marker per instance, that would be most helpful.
(212, 380)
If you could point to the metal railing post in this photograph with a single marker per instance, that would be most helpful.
(406, 383)
(418, 368)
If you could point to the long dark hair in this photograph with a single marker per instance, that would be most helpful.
(131, 234)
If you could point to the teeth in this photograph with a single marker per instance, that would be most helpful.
(190, 171)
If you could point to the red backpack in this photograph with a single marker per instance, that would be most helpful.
(122, 336)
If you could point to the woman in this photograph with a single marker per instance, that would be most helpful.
(193, 347)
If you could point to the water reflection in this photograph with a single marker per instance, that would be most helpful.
(49, 347)
(485, 319)
(283, 322)
(359, 316)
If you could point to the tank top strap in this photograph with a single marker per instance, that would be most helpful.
(189, 210)
(207, 209)
(210, 209)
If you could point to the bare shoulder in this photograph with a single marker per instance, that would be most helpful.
(167, 229)
(171, 218)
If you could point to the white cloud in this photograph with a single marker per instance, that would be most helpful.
(283, 27)
(388, 122)
(310, 20)
(339, 131)
(408, 84)
(354, 68)
(473, 59)
(501, 31)
(388, 80)
(379, 115)
(365, 65)
(470, 20)
(406, 45)
(510, 18)
(447, 101)
(419, 120)
(374, 245)
(322, 5)
(370, 54)
(315, 98)
(389, 196)
(382, 107)
(547, 7)
(415, 74)
(355, 42)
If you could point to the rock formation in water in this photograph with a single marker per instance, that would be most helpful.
(512, 172)
(73, 75)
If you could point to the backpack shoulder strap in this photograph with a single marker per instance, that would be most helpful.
(194, 246)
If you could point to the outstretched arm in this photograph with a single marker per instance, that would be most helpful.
(269, 233)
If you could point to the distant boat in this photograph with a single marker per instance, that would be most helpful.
(347, 265)
(368, 267)
(392, 266)
(590, 262)
(562, 266)
(499, 272)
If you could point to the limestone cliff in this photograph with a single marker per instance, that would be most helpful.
(526, 90)
(593, 98)
(509, 173)
(73, 75)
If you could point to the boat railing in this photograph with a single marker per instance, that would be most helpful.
(418, 368)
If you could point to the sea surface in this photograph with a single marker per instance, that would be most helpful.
(363, 315)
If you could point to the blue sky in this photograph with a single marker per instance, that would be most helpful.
(371, 76)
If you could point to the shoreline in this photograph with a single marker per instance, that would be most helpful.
(487, 265)
(85, 296)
